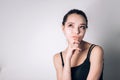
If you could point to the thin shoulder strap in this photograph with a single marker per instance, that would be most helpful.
(90, 49)
(62, 58)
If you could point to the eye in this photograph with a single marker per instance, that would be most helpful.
(83, 27)
(70, 25)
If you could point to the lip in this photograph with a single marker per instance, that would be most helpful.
(75, 37)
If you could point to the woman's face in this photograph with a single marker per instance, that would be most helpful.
(74, 28)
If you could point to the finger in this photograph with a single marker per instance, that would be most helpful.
(76, 42)
(76, 47)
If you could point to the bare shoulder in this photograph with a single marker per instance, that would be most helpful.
(56, 57)
(97, 53)
(57, 60)
(97, 50)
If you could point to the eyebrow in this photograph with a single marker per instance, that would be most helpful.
(74, 23)
(83, 24)
(70, 23)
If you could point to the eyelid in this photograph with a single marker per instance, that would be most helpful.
(70, 24)
(83, 26)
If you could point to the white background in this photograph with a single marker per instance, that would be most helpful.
(30, 34)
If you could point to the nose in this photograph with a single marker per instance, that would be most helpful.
(77, 31)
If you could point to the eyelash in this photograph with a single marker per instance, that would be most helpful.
(70, 25)
(83, 27)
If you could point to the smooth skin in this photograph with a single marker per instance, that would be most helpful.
(76, 52)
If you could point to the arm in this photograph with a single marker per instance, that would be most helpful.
(96, 61)
(67, 69)
(58, 66)
(62, 73)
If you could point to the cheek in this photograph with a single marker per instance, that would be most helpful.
(82, 33)
(68, 33)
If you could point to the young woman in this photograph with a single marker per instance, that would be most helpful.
(81, 60)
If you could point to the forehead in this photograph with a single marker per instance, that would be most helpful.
(76, 18)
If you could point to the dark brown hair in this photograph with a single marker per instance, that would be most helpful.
(75, 11)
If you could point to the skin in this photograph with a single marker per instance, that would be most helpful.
(77, 49)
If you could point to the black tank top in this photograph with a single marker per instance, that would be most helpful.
(81, 71)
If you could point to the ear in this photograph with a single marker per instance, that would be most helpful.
(63, 27)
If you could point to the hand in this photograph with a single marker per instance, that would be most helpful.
(75, 46)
